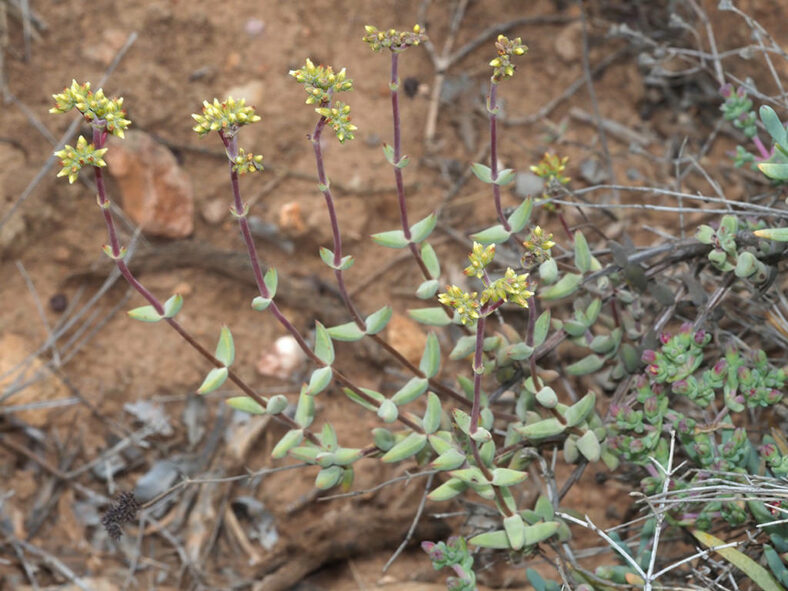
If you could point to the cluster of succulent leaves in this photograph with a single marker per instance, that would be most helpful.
(729, 254)
(737, 109)
(453, 554)
(682, 379)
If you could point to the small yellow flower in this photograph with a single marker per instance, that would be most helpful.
(392, 39)
(502, 65)
(72, 159)
(226, 116)
(320, 82)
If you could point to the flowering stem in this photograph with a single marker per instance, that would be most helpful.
(478, 369)
(99, 138)
(332, 214)
(492, 109)
(231, 145)
(323, 180)
(403, 209)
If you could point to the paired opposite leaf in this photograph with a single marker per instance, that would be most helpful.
(215, 378)
(377, 321)
(149, 314)
(482, 172)
(391, 239)
(173, 305)
(422, 229)
(430, 260)
(431, 316)
(225, 348)
(495, 234)
(245, 404)
(431, 359)
(406, 448)
(348, 332)
(324, 348)
(520, 216)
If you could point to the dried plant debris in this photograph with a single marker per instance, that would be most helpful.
(124, 510)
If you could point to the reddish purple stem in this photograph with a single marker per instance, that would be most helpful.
(492, 110)
(403, 208)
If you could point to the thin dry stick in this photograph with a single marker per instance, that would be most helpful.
(660, 515)
(588, 524)
(53, 562)
(413, 525)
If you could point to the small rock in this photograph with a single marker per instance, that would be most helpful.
(214, 211)
(233, 61)
(592, 171)
(291, 220)
(39, 384)
(411, 86)
(254, 27)
(150, 414)
(252, 91)
(183, 289)
(283, 360)
(61, 254)
(568, 41)
(407, 337)
(157, 193)
(527, 184)
(58, 302)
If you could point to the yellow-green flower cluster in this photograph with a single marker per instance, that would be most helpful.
(321, 81)
(392, 39)
(509, 288)
(480, 257)
(502, 65)
(225, 116)
(338, 117)
(96, 108)
(72, 159)
(537, 247)
(247, 162)
(551, 168)
(465, 304)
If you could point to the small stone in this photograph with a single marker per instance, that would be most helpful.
(592, 171)
(183, 289)
(41, 384)
(283, 360)
(410, 86)
(233, 61)
(157, 193)
(58, 303)
(407, 337)
(61, 254)
(252, 91)
(568, 41)
(214, 211)
(254, 27)
(527, 184)
(291, 220)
